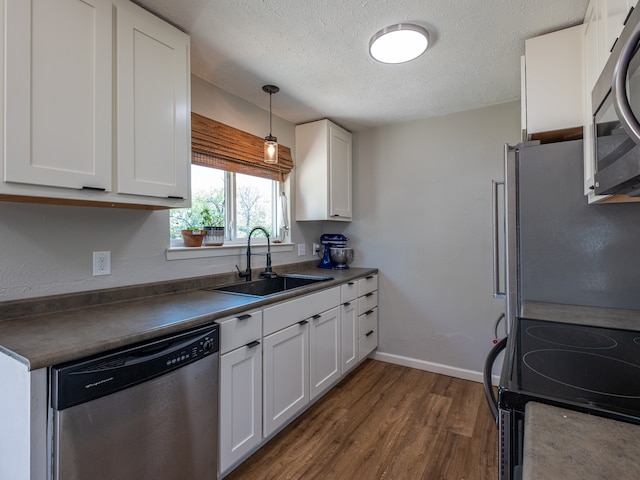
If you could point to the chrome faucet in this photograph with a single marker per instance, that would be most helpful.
(268, 272)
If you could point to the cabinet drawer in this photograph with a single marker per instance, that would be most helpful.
(285, 314)
(367, 344)
(367, 322)
(367, 302)
(348, 292)
(240, 330)
(367, 284)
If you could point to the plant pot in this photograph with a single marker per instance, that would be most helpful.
(214, 236)
(193, 238)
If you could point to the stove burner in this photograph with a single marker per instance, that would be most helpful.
(571, 337)
(586, 371)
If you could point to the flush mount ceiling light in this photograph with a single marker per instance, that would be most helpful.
(270, 142)
(399, 43)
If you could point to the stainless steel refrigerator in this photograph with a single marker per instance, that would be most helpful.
(558, 250)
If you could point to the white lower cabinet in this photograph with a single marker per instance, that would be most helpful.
(349, 326)
(367, 315)
(324, 351)
(240, 403)
(286, 375)
(240, 387)
(275, 362)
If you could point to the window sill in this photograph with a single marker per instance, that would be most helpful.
(184, 253)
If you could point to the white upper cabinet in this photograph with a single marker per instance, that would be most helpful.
(96, 105)
(153, 105)
(323, 172)
(553, 97)
(58, 68)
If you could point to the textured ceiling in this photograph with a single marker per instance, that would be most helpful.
(317, 53)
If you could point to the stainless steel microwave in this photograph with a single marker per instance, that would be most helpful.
(616, 114)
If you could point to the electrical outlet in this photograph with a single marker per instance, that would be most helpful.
(302, 249)
(316, 247)
(101, 263)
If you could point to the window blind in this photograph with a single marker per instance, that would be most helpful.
(216, 145)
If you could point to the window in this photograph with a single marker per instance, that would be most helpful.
(231, 184)
(252, 202)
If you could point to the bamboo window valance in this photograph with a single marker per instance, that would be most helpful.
(216, 145)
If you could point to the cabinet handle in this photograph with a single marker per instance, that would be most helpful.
(255, 343)
(369, 312)
(368, 277)
(315, 317)
(97, 189)
(173, 197)
(244, 317)
(346, 304)
(303, 322)
(628, 15)
(351, 283)
(369, 333)
(370, 294)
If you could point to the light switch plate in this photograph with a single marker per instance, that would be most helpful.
(302, 249)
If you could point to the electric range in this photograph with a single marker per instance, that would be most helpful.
(595, 370)
(586, 368)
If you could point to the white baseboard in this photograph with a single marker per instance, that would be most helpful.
(432, 367)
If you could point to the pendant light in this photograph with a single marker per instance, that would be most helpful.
(270, 142)
(399, 43)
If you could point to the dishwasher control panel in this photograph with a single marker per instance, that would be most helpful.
(77, 382)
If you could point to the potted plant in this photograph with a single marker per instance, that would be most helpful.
(212, 222)
(190, 225)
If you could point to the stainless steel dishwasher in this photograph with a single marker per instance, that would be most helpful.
(144, 412)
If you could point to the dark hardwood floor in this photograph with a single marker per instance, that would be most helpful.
(389, 422)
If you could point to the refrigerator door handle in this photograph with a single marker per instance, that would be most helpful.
(497, 293)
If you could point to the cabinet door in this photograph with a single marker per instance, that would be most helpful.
(349, 335)
(324, 351)
(554, 80)
(58, 71)
(339, 173)
(240, 403)
(286, 377)
(153, 104)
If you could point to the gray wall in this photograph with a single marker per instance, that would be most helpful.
(48, 249)
(423, 216)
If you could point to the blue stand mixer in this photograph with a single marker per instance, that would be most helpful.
(331, 240)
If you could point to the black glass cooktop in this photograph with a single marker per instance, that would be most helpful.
(588, 368)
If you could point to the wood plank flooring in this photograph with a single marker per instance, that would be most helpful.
(385, 421)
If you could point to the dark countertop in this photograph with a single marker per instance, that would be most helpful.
(570, 445)
(45, 339)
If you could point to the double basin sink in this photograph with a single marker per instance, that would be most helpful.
(270, 286)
